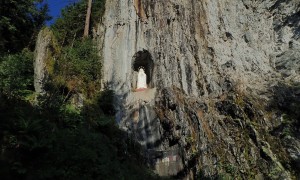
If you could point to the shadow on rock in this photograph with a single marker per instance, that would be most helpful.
(287, 102)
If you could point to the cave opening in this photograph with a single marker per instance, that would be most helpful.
(142, 60)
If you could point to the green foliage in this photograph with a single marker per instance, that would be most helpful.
(98, 9)
(100, 112)
(54, 139)
(201, 175)
(82, 61)
(70, 25)
(37, 146)
(19, 23)
(105, 102)
(16, 74)
(79, 68)
(224, 177)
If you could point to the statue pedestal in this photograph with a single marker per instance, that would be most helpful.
(140, 89)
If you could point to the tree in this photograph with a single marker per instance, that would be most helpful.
(87, 19)
(70, 26)
(19, 22)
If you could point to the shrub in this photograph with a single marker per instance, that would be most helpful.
(16, 74)
(80, 68)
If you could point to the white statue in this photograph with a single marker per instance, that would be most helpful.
(142, 79)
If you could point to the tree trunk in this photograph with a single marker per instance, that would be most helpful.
(87, 19)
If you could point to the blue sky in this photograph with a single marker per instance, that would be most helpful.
(55, 7)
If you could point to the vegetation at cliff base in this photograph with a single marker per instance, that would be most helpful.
(63, 143)
(55, 135)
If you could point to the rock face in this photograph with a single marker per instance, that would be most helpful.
(211, 67)
(43, 64)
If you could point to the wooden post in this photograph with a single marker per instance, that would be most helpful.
(87, 19)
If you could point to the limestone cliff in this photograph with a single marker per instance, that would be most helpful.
(212, 69)
(46, 47)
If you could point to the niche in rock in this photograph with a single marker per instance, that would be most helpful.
(142, 70)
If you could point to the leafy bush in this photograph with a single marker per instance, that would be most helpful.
(37, 146)
(82, 59)
(16, 74)
(54, 139)
(79, 67)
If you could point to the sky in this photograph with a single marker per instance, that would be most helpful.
(55, 7)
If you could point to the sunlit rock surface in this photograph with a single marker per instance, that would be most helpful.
(43, 62)
(215, 67)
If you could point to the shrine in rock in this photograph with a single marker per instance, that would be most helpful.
(142, 70)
